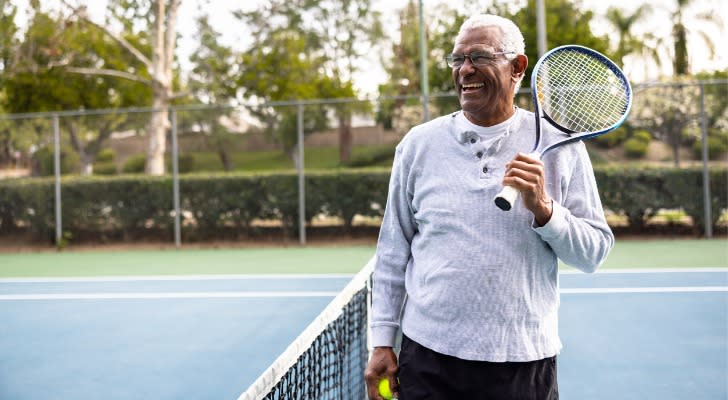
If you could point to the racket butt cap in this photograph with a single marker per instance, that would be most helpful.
(502, 203)
(506, 198)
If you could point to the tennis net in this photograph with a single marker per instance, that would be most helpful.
(327, 360)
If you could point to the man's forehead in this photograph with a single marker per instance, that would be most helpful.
(488, 36)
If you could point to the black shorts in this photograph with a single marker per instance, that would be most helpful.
(425, 374)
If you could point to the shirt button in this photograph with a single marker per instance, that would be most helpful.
(479, 154)
(485, 170)
(472, 140)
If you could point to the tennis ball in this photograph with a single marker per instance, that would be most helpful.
(384, 389)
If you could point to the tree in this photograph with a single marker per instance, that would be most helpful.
(8, 44)
(333, 34)
(666, 110)
(627, 42)
(403, 68)
(31, 82)
(213, 81)
(681, 32)
(159, 17)
(279, 69)
(348, 30)
(566, 23)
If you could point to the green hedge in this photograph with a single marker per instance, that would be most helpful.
(131, 207)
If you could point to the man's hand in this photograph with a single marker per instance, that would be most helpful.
(383, 364)
(526, 173)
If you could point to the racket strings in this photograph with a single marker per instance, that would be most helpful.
(581, 93)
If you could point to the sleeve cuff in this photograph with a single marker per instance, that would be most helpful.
(556, 225)
(384, 336)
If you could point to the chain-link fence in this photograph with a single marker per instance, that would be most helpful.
(80, 175)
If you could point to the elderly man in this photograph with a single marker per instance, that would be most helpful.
(475, 289)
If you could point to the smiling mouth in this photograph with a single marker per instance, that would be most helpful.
(469, 87)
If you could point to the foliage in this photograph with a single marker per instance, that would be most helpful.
(44, 161)
(636, 146)
(717, 146)
(404, 82)
(223, 206)
(686, 26)
(148, 36)
(639, 193)
(106, 155)
(612, 139)
(643, 46)
(566, 23)
(284, 70)
(213, 81)
(403, 68)
(36, 79)
(666, 110)
(307, 49)
(134, 164)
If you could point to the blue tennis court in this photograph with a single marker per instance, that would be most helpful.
(628, 334)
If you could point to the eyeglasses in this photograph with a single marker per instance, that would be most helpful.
(477, 58)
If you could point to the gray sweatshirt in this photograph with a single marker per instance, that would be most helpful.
(463, 277)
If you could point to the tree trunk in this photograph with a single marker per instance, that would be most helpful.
(87, 164)
(345, 139)
(161, 63)
(157, 131)
(225, 159)
(676, 153)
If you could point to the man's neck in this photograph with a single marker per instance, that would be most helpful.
(491, 120)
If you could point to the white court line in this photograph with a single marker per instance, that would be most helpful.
(142, 278)
(681, 289)
(162, 295)
(230, 295)
(572, 271)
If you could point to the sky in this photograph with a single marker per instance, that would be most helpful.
(372, 74)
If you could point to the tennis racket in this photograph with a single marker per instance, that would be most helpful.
(580, 92)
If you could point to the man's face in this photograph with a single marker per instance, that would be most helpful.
(485, 92)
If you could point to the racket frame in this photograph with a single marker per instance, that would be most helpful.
(507, 197)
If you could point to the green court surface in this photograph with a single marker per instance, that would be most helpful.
(683, 253)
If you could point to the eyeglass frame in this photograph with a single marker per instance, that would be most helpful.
(490, 60)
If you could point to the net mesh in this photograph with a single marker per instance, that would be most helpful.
(581, 92)
(327, 360)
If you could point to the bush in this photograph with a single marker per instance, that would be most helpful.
(717, 146)
(612, 139)
(642, 135)
(223, 206)
(185, 163)
(105, 156)
(135, 164)
(635, 148)
(104, 168)
(44, 161)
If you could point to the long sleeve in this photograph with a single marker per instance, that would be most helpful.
(393, 254)
(578, 232)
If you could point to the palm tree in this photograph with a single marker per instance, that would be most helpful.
(681, 31)
(629, 43)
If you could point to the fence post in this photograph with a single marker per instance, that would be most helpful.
(706, 171)
(175, 179)
(424, 80)
(301, 176)
(57, 173)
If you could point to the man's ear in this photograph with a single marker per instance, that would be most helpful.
(519, 65)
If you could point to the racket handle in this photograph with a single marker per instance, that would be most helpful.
(506, 198)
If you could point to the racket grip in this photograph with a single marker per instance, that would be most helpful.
(506, 198)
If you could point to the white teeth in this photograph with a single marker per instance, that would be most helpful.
(472, 85)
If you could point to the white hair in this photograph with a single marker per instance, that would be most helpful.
(512, 36)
